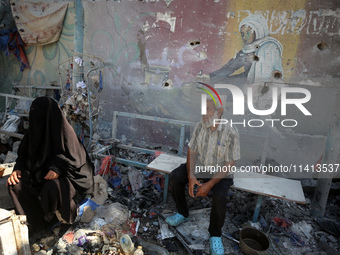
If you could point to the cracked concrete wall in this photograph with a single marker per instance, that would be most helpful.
(156, 50)
(158, 46)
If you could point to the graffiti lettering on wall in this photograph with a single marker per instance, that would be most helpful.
(327, 21)
(293, 22)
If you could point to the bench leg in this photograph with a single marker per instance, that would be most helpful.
(166, 188)
(257, 208)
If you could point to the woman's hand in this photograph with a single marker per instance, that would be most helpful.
(51, 175)
(14, 178)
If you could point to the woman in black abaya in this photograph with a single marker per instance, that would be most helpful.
(53, 171)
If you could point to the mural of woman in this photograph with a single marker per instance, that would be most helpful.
(260, 56)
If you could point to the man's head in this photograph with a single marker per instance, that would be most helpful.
(213, 112)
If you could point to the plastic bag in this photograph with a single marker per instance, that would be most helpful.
(11, 125)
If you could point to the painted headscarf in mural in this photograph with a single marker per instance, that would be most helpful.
(260, 56)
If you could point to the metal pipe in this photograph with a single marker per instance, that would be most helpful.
(153, 118)
(227, 235)
(78, 42)
(36, 87)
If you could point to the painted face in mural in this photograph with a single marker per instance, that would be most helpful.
(248, 34)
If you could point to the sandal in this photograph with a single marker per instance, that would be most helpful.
(216, 246)
(176, 219)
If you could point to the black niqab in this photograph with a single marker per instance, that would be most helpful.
(51, 144)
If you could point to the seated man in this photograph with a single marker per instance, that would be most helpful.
(209, 146)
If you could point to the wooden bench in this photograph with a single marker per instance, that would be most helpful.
(268, 185)
(261, 184)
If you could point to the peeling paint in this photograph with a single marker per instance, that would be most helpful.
(141, 46)
(146, 26)
(166, 17)
(168, 2)
(203, 55)
(155, 75)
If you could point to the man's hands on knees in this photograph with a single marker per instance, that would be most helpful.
(51, 175)
(204, 189)
(14, 178)
(192, 182)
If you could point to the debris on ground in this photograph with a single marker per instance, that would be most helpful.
(127, 202)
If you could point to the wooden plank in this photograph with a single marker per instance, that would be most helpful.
(8, 238)
(17, 234)
(268, 185)
(21, 236)
(166, 163)
(13, 234)
(5, 214)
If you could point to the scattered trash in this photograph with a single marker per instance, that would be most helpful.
(282, 222)
(86, 210)
(157, 180)
(165, 231)
(128, 201)
(139, 251)
(126, 244)
(81, 84)
(114, 213)
(79, 61)
(110, 172)
(135, 179)
(100, 194)
(68, 237)
(330, 226)
(13, 233)
(151, 248)
(11, 125)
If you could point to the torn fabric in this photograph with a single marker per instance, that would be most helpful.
(39, 23)
(11, 42)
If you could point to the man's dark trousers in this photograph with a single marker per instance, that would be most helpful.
(178, 181)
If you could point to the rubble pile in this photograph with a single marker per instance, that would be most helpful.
(127, 202)
(288, 225)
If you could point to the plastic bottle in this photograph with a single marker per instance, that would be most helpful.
(127, 244)
(139, 251)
